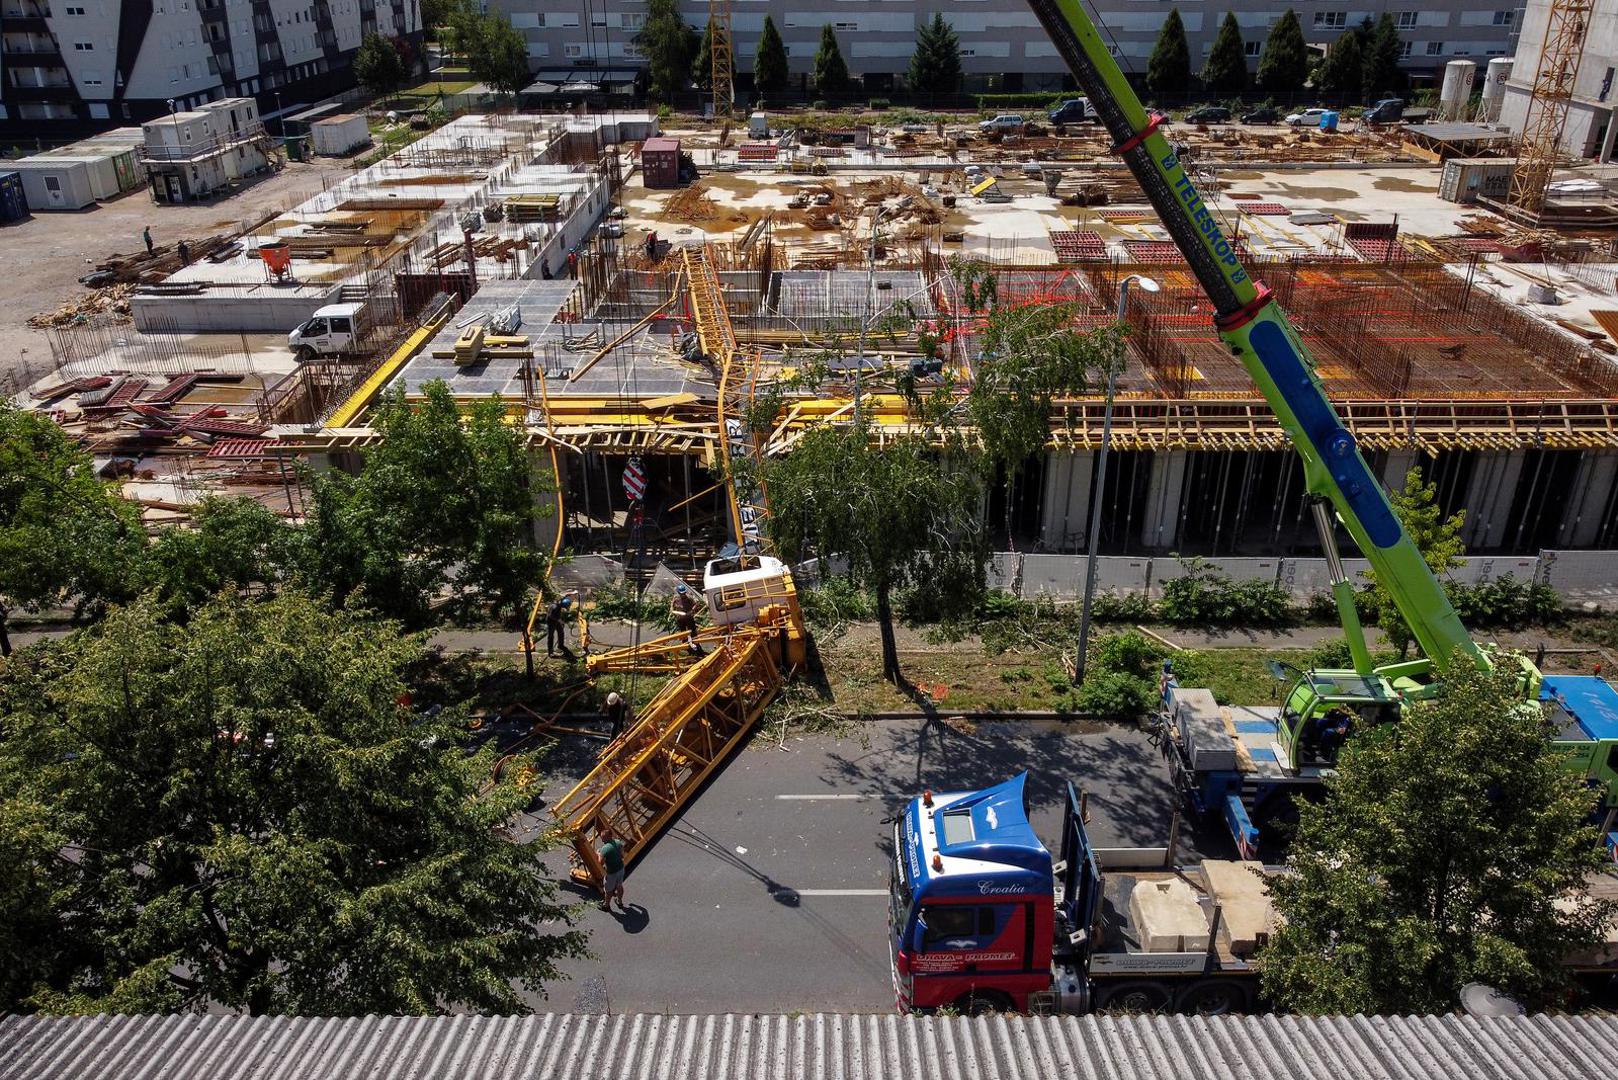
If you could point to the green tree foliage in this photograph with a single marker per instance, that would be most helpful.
(378, 65)
(441, 507)
(1444, 852)
(1030, 355)
(66, 538)
(1226, 67)
(831, 72)
(1285, 64)
(1380, 74)
(233, 544)
(668, 42)
(436, 13)
(770, 61)
(702, 61)
(1169, 69)
(898, 514)
(239, 813)
(1437, 537)
(1341, 72)
(935, 66)
(497, 54)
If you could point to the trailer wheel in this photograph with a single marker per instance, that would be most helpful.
(1134, 997)
(1217, 997)
(983, 1003)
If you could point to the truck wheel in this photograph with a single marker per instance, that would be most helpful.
(983, 1003)
(1214, 998)
(1134, 997)
(305, 354)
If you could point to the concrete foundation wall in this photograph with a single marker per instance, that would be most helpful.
(266, 310)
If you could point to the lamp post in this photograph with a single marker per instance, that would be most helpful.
(867, 314)
(280, 117)
(1093, 531)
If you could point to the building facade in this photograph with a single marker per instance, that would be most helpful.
(67, 67)
(1002, 45)
(1589, 132)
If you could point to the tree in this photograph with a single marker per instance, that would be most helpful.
(378, 66)
(1226, 66)
(233, 544)
(440, 507)
(1169, 69)
(245, 813)
(1446, 851)
(1340, 72)
(436, 13)
(1029, 355)
(898, 514)
(831, 73)
(1284, 67)
(702, 61)
(66, 537)
(770, 61)
(935, 66)
(498, 54)
(1437, 537)
(1380, 74)
(668, 42)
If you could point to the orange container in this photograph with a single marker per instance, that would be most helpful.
(277, 258)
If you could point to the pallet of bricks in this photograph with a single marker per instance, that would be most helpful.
(756, 152)
(1078, 245)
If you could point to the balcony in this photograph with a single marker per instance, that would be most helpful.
(201, 148)
(26, 16)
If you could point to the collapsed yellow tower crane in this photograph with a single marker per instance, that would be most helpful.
(1567, 24)
(718, 690)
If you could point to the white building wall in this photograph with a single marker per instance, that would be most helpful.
(1595, 89)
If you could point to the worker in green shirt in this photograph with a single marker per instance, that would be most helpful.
(612, 860)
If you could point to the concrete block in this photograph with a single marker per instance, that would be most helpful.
(1247, 918)
(1167, 917)
(1207, 741)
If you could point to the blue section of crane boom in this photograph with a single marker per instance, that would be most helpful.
(1317, 418)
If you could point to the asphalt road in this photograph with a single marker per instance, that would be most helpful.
(769, 893)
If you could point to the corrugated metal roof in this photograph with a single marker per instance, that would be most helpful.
(837, 1047)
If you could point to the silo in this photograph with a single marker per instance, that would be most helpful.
(1494, 88)
(1457, 89)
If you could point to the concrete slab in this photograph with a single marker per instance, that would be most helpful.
(1167, 917)
(1247, 917)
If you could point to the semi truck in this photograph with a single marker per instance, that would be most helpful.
(983, 917)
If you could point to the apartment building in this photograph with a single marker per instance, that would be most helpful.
(67, 67)
(1589, 132)
(1002, 44)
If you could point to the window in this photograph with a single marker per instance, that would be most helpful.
(1505, 18)
(572, 50)
(945, 921)
(1435, 48)
(1404, 48)
(955, 827)
(1405, 20)
(84, 46)
(74, 10)
(845, 26)
(632, 20)
(598, 20)
(1251, 48)
(1331, 20)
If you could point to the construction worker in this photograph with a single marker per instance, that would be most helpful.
(612, 861)
(146, 235)
(556, 627)
(185, 253)
(684, 607)
(617, 713)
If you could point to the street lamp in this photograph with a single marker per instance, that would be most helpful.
(868, 314)
(280, 116)
(1094, 531)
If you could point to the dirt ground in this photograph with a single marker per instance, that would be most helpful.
(43, 257)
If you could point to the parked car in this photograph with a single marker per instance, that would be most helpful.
(1386, 111)
(1307, 118)
(1264, 114)
(1208, 114)
(1071, 111)
(1003, 122)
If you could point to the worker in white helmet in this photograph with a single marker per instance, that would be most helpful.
(617, 713)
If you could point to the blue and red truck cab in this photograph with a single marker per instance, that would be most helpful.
(971, 913)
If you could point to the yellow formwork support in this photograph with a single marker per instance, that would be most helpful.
(361, 399)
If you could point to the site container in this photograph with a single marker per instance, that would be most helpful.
(13, 202)
(660, 162)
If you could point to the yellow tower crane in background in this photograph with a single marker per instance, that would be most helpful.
(1566, 26)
